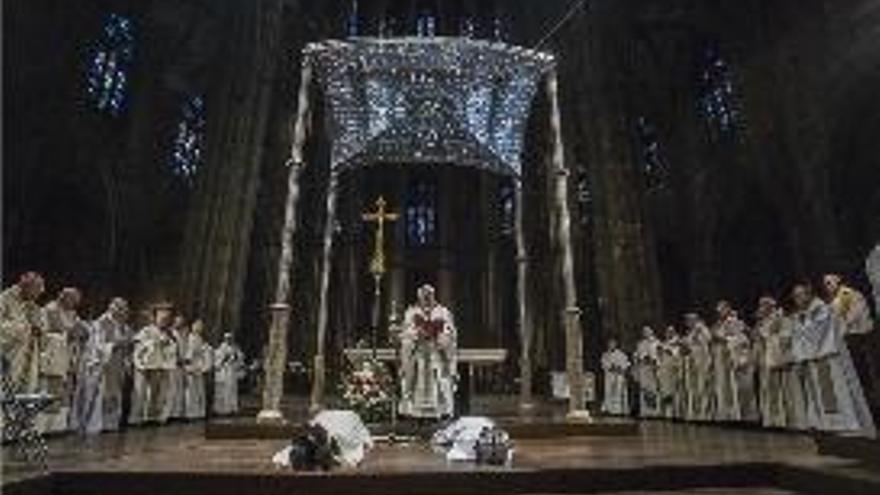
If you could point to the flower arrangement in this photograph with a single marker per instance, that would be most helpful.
(367, 390)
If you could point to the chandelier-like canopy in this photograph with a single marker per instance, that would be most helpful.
(448, 100)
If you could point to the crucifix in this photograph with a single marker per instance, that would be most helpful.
(377, 263)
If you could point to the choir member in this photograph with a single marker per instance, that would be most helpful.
(698, 364)
(197, 362)
(646, 357)
(615, 365)
(228, 366)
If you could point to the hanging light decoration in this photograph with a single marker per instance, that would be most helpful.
(427, 99)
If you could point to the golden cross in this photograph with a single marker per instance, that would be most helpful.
(380, 216)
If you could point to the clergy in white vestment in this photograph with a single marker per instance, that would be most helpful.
(21, 326)
(834, 397)
(852, 307)
(197, 363)
(615, 366)
(725, 332)
(743, 361)
(669, 373)
(428, 370)
(646, 358)
(773, 354)
(87, 413)
(155, 355)
(107, 365)
(228, 369)
(59, 359)
(174, 406)
(698, 369)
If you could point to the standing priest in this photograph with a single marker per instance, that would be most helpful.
(834, 397)
(428, 358)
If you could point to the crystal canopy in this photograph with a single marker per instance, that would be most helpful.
(441, 99)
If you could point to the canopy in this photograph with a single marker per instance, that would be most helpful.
(439, 99)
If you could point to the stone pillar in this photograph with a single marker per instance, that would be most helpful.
(276, 352)
(525, 330)
(318, 377)
(574, 358)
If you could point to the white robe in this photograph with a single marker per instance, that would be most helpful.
(58, 364)
(87, 416)
(197, 363)
(615, 365)
(646, 357)
(834, 397)
(698, 374)
(118, 338)
(174, 406)
(725, 336)
(228, 368)
(155, 355)
(668, 377)
(774, 363)
(21, 323)
(428, 363)
(742, 358)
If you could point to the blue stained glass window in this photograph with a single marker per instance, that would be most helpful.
(716, 98)
(421, 214)
(186, 149)
(109, 61)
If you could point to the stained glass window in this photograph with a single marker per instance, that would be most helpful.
(186, 149)
(110, 59)
(421, 213)
(716, 98)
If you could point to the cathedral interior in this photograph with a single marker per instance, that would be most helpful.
(717, 149)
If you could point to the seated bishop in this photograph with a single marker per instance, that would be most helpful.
(427, 359)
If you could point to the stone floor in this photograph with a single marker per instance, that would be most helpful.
(182, 448)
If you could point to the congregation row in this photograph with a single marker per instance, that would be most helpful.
(93, 370)
(812, 368)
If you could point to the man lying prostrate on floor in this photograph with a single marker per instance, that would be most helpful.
(347, 439)
(474, 438)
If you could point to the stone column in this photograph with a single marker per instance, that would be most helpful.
(318, 377)
(525, 330)
(574, 358)
(276, 352)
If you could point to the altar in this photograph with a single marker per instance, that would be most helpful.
(471, 359)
